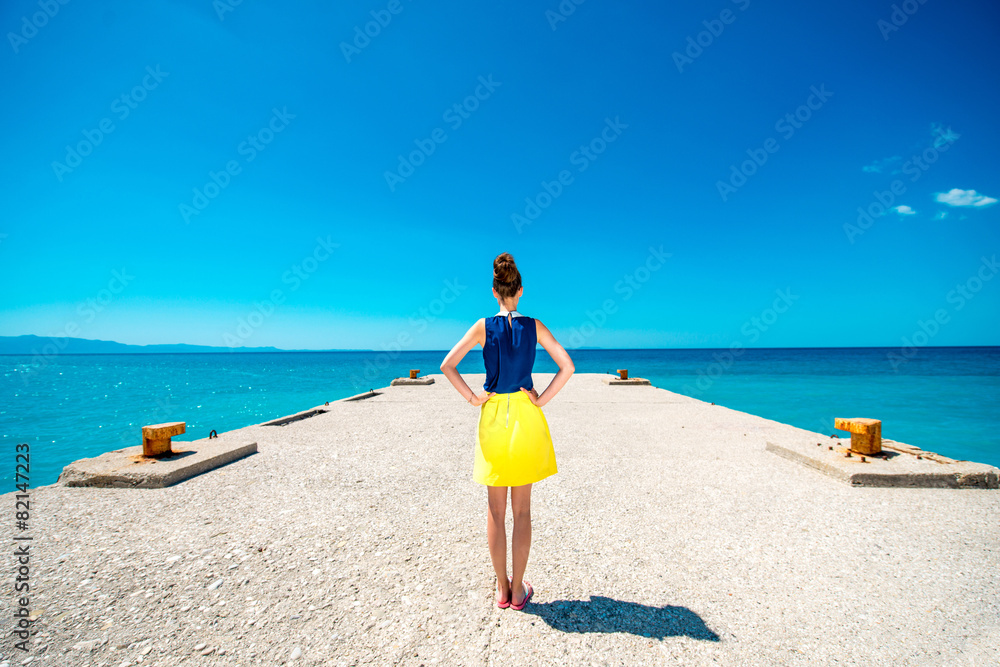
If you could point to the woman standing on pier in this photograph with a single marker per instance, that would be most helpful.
(513, 445)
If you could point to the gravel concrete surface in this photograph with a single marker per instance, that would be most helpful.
(668, 536)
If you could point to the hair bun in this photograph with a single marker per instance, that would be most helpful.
(506, 277)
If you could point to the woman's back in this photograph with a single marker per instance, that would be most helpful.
(513, 445)
(509, 352)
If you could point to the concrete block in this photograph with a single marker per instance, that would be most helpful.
(612, 380)
(898, 465)
(298, 416)
(129, 468)
(405, 381)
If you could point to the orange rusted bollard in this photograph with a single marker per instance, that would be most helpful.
(866, 434)
(156, 438)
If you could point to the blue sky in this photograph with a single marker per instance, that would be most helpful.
(677, 176)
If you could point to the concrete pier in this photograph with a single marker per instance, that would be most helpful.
(669, 535)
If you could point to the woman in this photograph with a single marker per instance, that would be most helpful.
(513, 445)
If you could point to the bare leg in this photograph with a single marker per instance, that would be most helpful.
(520, 504)
(496, 535)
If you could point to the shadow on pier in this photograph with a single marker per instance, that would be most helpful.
(601, 614)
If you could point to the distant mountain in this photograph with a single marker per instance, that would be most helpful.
(48, 346)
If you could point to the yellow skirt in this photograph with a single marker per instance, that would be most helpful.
(513, 445)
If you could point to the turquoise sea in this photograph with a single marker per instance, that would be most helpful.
(74, 406)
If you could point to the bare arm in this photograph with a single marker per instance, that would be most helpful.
(559, 356)
(476, 335)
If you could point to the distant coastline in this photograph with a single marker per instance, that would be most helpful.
(49, 346)
(31, 345)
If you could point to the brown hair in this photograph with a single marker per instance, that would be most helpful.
(506, 277)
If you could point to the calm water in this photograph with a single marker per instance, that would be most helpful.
(74, 406)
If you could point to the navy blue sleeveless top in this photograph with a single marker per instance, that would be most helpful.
(509, 353)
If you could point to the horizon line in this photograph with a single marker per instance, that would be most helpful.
(242, 351)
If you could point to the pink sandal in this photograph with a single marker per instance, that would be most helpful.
(503, 604)
(527, 597)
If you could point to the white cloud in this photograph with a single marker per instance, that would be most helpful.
(904, 210)
(941, 215)
(957, 197)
